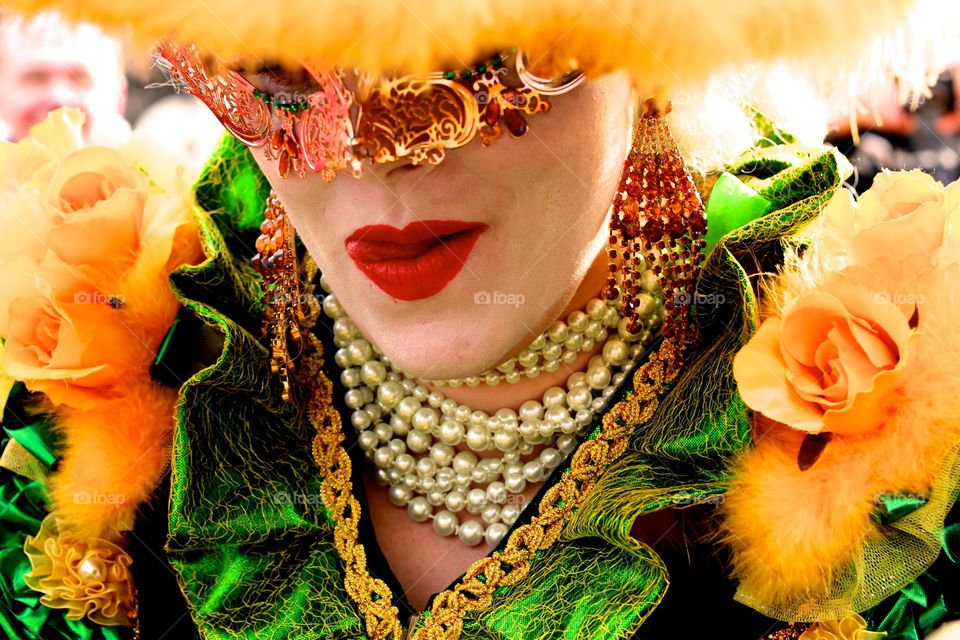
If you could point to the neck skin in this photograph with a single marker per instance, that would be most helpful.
(489, 399)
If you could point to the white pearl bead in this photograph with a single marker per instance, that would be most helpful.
(400, 426)
(515, 482)
(574, 342)
(448, 406)
(508, 366)
(476, 500)
(491, 513)
(513, 377)
(598, 376)
(462, 413)
(478, 418)
(373, 373)
(546, 429)
(595, 309)
(568, 425)
(360, 419)
(331, 307)
(616, 352)
(419, 509)
(533, 471)
(495, 533)
(527, 430)
(509, 513)
(350, 378)
(384, 432)
(528, 358)
(538, 343)
(566, 443)
(425, 419)
(557, 331)
(381, 477)
(417, 441)
(445, 523)
(383, 457)
(471, 533)
(455, 501)
(406, 407)
(550, 458)
(611, 317)
(451, 432)
(555, 414)
(531, 410)
(436, 498)
(404, 463)
(354, 398)
(554, 396)
(441, 454)
(492, 379)
(505, 441)
(577, 321)
(578, 398)
(551, 366)
(553, 351)
(594, 327)
(368, 440)
(497, 492)
(392, 476)
(398, 446)
(478, 438)
(389, 393)
(464, 462)
(426, 467)
(399, 495)
(359, 351)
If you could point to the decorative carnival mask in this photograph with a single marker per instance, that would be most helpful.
(327, 121)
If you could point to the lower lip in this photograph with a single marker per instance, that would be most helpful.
(417, 276)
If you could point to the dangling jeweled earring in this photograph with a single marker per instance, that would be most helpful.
(658, 219)
(276, 260)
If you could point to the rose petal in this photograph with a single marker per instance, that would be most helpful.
(760, 374)
(918, 232)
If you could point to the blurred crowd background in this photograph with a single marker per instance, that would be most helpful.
(46, 63)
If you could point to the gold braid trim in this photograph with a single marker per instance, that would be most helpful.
(444, 620)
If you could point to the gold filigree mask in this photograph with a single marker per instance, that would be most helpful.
(327, 121)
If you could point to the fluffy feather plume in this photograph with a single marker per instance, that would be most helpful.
(106, 473)
(662, 44)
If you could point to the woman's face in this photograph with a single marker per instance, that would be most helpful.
(495, 241)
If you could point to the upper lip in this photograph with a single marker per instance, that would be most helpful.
(414, 233)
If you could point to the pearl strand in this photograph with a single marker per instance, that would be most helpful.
(397, 418)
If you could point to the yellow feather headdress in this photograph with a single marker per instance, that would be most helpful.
(662, 44)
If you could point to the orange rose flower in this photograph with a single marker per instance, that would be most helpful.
(85, 304)
(829, 363)
(70, 341)
(904, 213)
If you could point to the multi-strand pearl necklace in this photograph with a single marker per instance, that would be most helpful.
(412, 434)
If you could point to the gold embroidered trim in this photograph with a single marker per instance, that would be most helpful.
(444, 620)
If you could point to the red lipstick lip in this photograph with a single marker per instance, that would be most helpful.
(417, 261)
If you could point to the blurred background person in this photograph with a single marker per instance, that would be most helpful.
(46, 63)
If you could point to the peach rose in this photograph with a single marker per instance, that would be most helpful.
(98, 202)
(904, 213)
(84, 305)
(70, 341)
(829, 363)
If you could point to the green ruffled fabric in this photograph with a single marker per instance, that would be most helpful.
(23, 505)
(249, 539)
